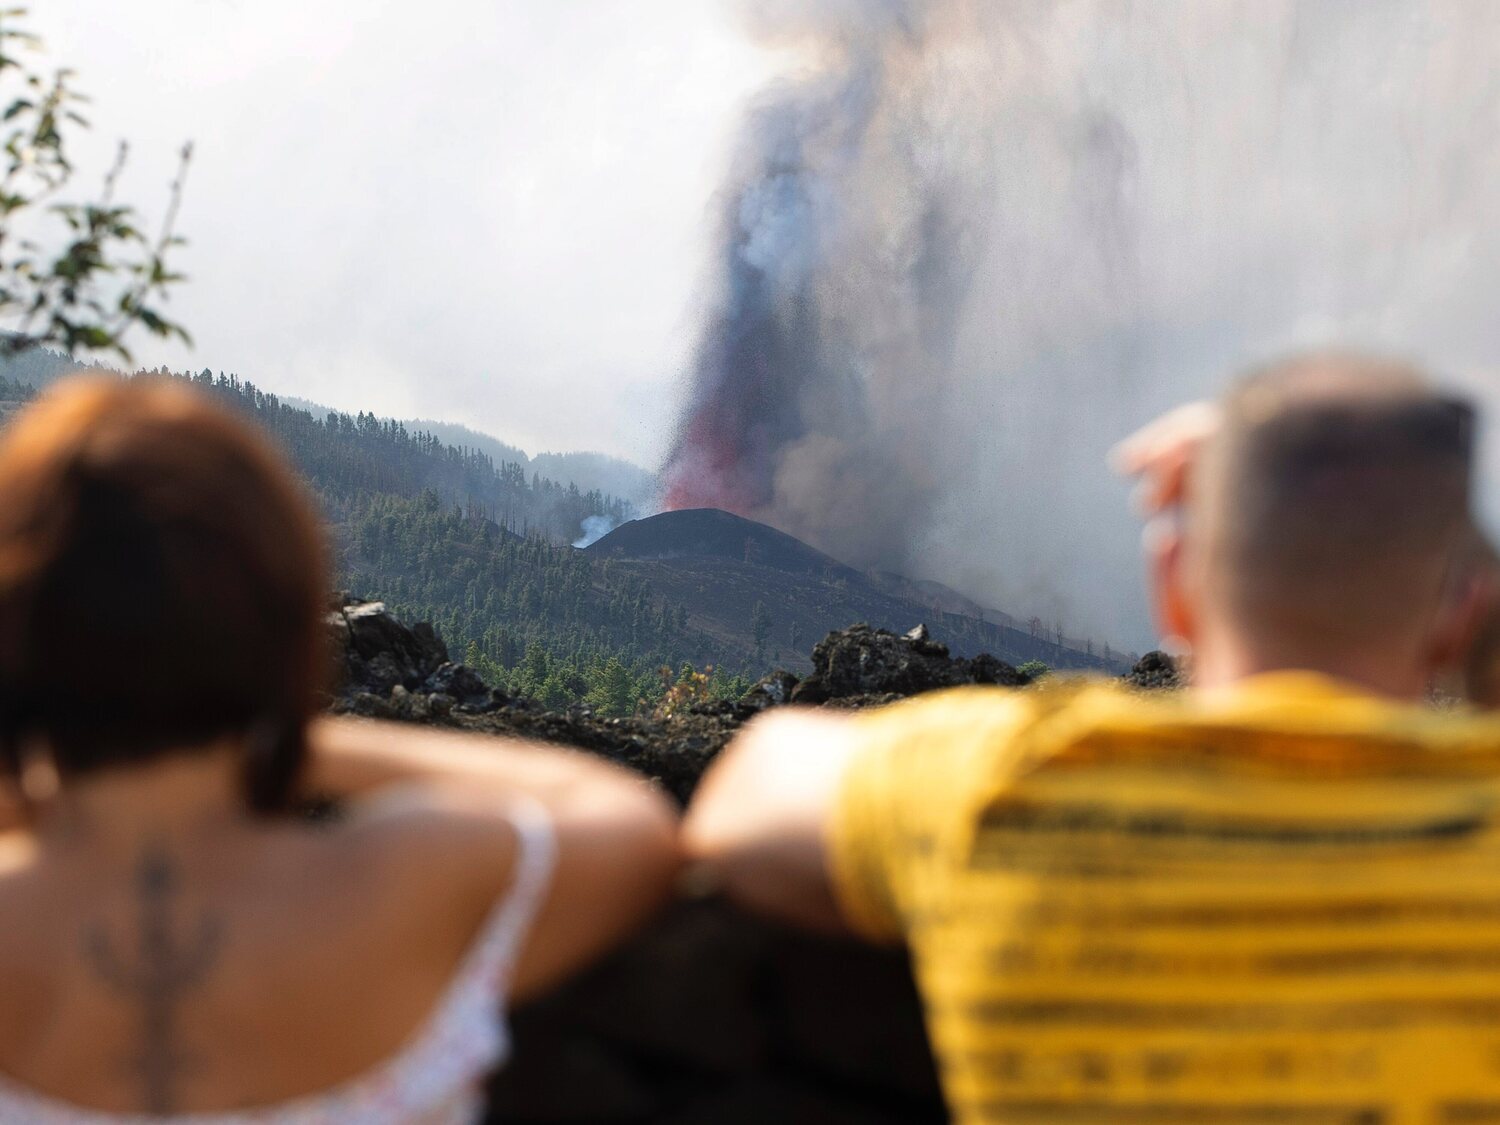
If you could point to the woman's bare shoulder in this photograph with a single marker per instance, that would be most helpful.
(21, 884)
(434, 846)
(17, 853)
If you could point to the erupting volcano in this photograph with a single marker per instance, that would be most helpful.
(845, 251)
(965, 246)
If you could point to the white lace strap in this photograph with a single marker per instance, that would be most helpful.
(499, 942)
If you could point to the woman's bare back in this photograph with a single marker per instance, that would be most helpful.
(240, 964)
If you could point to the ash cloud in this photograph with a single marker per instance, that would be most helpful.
(965, 246)
(846, 249)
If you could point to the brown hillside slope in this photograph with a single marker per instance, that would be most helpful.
(720, 566)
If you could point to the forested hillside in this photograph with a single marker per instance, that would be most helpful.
(481, 548)
(36, 367)
(445, 534)
(587, 470)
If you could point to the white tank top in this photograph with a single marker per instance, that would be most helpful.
(438, 1077)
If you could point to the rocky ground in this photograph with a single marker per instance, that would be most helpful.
(709, 1017)
(395, 672)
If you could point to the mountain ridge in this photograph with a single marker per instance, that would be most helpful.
(481, 548)
(726, 571)
(715, 533)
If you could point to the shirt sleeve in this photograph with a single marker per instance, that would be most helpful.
(918, 772)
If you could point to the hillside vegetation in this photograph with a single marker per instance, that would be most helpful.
(481, 547)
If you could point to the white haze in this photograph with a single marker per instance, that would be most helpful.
(1134, 199)
(594, 529)
(484, 211)
(495, 212)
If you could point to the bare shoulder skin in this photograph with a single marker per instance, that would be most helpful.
(759, 819)
(180, 956)
(616, 833)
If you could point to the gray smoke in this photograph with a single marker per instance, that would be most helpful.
(968, 245)
(852, 228)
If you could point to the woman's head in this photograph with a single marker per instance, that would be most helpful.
(162, 584)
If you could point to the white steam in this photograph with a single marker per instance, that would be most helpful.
(594, 528)
(985, 240)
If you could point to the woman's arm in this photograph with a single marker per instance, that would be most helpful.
(617, 854)
(352, 757)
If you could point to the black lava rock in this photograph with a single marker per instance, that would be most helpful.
(861, 661)
(1155, 670)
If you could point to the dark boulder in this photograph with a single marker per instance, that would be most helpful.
(380, 653)
(861, 662)
(463, 685)
(712, 1017)
(1155, 670)
(771, 691)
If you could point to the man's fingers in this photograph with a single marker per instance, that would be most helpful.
(1173, 437)
(1162, 453)
(1163, 484)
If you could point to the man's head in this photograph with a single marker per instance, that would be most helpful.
(1327, 527)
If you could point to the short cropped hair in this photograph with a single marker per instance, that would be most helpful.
(162, 584)
(1336, 497)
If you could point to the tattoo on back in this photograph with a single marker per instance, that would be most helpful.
(163, 965)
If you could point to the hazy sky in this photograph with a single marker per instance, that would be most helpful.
(499, 212)
(486, 211)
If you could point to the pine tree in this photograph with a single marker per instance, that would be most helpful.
(613, 691)
(760, 629)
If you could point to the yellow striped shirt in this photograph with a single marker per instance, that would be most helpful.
(1277, 904)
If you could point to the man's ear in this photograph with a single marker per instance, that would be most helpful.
(1463, 620)
(1173, 603)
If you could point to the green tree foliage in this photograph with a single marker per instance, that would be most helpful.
(351, 458)
(760, 628)
(444, 534)
(15, 391)
(612, 691)
(75, 273)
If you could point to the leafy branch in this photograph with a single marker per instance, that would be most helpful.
(73, 275)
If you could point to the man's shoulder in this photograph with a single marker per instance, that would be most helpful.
(974, 726)
(938, 753)
(969, 746)
(983, 710)
(1299, 722)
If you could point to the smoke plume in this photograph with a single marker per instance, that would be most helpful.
(850, 234)
(965, 246)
